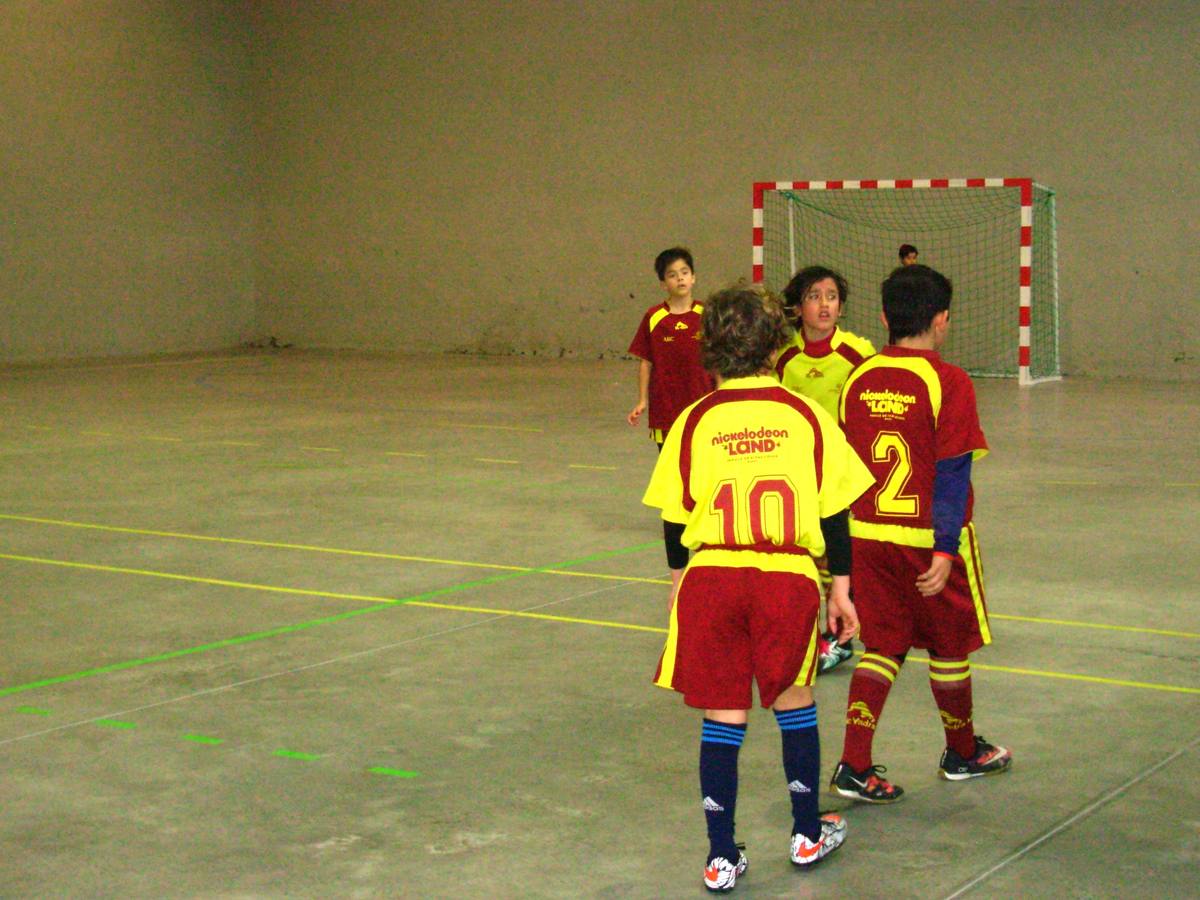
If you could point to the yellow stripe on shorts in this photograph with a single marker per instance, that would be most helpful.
(969, 550)
(667, 671)
(808, 671)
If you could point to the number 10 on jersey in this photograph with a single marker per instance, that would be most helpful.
(762, 512)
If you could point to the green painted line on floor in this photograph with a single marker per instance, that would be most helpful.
(115, 723)
(33, 711)
(203, 739)
(296, 754)
(394, 773)
(175, 654)
(382, 603)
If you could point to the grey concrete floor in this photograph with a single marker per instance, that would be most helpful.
(330, 625)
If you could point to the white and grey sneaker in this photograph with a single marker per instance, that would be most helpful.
(806, 853)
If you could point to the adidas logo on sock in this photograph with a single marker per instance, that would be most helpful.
(711, 805)
(798, 787)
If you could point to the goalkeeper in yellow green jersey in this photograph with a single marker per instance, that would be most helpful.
(817, 366)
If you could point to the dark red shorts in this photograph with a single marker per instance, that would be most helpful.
(734, 625)
(894, 617)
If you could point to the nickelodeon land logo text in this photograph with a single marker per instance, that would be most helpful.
(750, 440)
(887, 403)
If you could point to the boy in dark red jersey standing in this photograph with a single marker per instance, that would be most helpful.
(670, 376)
(918, 579)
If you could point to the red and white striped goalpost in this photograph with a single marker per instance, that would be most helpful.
(1024, 256)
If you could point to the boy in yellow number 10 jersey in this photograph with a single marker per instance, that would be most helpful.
(918, 579)
(761, 479)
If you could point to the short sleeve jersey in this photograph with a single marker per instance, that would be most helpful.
(670, 342)
(818, 369)
(903, 410)
(754, 465)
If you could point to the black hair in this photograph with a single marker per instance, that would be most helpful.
(741, 328)
(912, 296)
(793, 294)
(667, 257)
(906, 249)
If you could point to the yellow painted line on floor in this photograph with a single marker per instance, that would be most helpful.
(1134, 628)
(173, 440)
(505, 462)
(601, 623)
(1183, 484)
(304, 592)
(95, 433)
(528, 428)
(196, 579)
(600, 468)
(373, 554)
(236, 443)
(414, 455)
(1070, 676)
(370, 554)
(323, 449)
(41, 428)
(483, 610)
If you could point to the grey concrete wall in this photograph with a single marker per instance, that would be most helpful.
(498, 176)
(126, 205)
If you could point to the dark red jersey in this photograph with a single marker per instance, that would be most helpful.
(670, 342)
(903, 410)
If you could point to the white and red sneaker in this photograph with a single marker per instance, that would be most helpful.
(807, 853)
(720, 875)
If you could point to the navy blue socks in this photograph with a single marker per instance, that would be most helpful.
(802, 766)
(719, 746)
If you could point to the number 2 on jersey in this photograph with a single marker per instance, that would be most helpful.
(889, 446)
(769, 507)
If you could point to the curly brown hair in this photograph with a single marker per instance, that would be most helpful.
(742, 327)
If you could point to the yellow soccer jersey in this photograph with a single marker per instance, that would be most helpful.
(753, 465)
(818, 369)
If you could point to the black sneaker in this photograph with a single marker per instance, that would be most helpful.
(865, 785)
(988, 760)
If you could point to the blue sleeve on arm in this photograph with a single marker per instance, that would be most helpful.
(951, 484)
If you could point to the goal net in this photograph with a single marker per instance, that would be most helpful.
(994, 238)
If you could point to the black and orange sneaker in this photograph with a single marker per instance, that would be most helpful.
(721, 874)
(866, 785)
(988, 760)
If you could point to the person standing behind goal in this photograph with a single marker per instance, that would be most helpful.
(918, 579)
(670, 375)
(760, 478)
